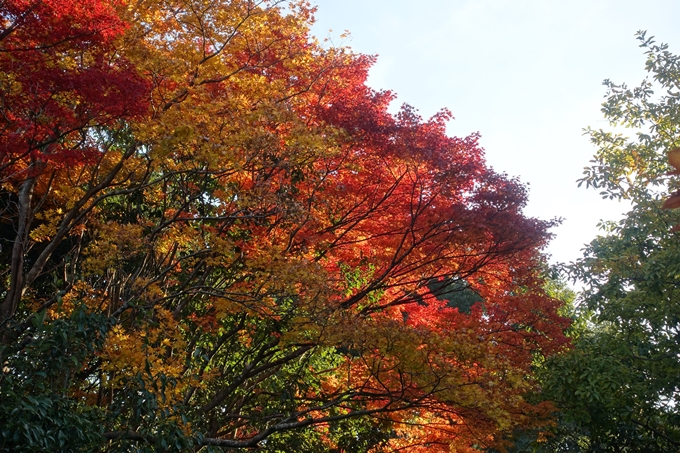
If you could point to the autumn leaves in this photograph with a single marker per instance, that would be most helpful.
(258, 236)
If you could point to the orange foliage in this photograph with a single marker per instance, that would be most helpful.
(270, 239)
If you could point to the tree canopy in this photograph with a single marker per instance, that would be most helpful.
(215, 235)
(617, 388)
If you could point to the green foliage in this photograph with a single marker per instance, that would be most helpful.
(617, 388)
(360, 435)
(36, 412)
(456, 292)
(632, 168)
(40, 410)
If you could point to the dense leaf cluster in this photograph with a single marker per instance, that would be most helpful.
(215, 236)
(617, 389)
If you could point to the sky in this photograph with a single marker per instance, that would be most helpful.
(526, 74)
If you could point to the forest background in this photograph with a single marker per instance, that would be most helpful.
(216, 236)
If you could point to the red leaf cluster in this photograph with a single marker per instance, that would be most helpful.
(61, 77)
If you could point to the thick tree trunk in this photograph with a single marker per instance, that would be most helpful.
(16, 284)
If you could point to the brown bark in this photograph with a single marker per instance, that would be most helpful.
(16, 286)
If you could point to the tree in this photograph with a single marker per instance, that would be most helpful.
(60, 81)
(617, 389)
(259, 255)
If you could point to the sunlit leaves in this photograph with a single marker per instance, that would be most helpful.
(618, 387)
(272, 251)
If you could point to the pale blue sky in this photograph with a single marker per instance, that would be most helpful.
(526, 74)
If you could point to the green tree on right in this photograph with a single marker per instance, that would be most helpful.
(618, 388)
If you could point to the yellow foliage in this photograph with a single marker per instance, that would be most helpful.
(80, 292)
(51, 219)
(115, 243)
(148, 352)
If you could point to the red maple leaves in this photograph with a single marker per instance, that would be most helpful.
(241, 180)
(61, 77)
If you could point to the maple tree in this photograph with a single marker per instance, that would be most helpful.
(58, 84)
(222, 238)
